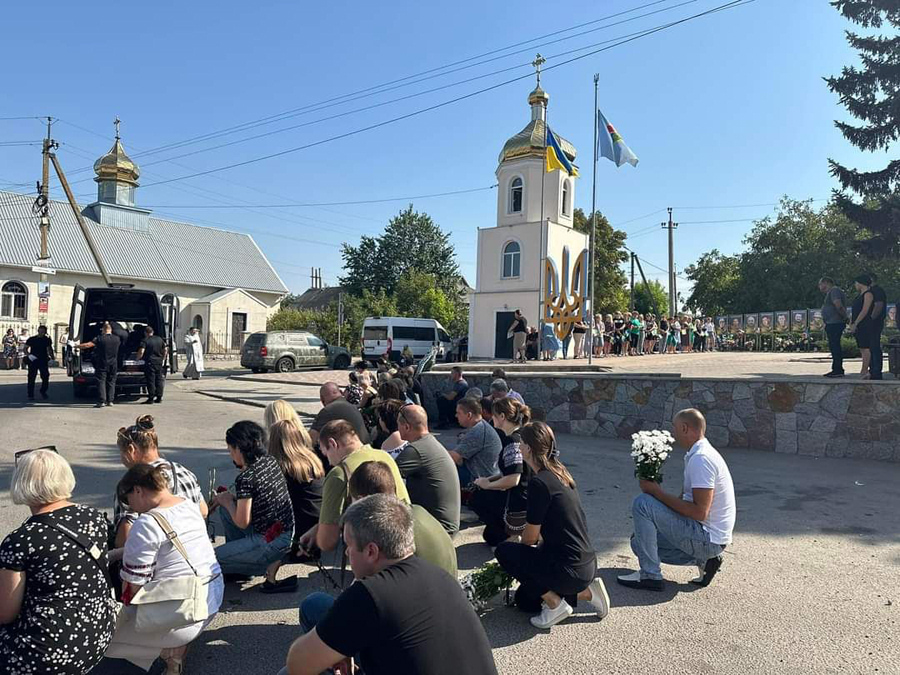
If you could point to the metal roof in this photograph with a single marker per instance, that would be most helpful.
(165, 251)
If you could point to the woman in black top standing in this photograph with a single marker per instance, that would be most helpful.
(559, 571)
(500, 500)
(519, 330)
(863, 325)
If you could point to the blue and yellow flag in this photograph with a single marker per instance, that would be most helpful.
(556, 158)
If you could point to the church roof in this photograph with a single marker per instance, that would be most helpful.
(530, 143)
(166, 250)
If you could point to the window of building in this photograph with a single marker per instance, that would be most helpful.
(512, 254)
(516, 193)
(566, 198)
(14, 301)
(197, 323)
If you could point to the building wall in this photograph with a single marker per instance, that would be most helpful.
(62, 286)
(532, 171)
(221, 313)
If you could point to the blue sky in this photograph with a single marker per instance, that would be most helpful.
(729, 109)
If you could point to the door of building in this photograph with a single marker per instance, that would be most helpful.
(238, 328)
(503, 346)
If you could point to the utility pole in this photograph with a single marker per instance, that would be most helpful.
(632, 281)
(670, 226)
(41, 209)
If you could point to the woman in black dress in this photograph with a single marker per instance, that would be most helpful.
(862, 323)
(56, 603)
(560, 570)
(500, 500)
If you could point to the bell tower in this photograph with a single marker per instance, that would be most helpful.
(116, 175)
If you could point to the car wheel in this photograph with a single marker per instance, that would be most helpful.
(341, 363)
(284, 365)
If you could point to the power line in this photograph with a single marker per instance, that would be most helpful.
(729, 5)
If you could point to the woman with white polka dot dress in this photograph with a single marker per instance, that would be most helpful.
(56, 609)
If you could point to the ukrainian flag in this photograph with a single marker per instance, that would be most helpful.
(556, 158)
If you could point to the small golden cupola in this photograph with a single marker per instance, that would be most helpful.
(116, 175)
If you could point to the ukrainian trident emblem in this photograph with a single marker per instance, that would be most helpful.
(563, 304)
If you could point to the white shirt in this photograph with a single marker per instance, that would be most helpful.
(705, 468)
(149, 556)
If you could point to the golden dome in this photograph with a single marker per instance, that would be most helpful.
(530, 143)
(538, 95)
(116, 166)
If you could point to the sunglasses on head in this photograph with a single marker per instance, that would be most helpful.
(22, 453)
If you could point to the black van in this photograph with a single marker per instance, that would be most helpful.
(129, 310)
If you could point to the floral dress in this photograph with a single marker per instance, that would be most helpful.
(67, 616)
(9, 346)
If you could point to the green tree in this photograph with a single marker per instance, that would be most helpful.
(610, 294)
(417, 294)
(411, 240)
(871, 93)
(651, 297)
(716, 279)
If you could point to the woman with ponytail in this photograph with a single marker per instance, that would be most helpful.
(555, 562)
(500, 501)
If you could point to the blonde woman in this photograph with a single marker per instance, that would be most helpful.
(282, 410)
(56, 611)
(305, 476)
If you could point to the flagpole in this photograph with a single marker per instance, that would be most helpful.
(591, 255)
(541, 235)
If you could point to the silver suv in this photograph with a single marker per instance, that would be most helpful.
(286, 350)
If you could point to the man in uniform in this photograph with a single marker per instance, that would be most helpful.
(39, 350)
(153, 351)
(105, 358)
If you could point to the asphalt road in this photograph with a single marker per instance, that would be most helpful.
(811, 583)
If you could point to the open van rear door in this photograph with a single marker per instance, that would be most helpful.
(171, 308)
(76, 326)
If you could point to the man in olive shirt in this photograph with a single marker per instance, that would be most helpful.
(336, 407)
(432, 541)
(345, 452)
(431, 476)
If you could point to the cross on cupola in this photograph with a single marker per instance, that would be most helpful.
(117, 122)
(537, 63)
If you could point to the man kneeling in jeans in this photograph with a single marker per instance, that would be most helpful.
(689, 530)
(402, 615)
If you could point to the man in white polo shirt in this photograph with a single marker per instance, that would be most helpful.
(689, 530)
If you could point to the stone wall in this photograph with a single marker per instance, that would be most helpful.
(842, 419)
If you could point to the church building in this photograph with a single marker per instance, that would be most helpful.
(219, 281)
(533, 260)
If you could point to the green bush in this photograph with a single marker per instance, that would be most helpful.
(848, 347)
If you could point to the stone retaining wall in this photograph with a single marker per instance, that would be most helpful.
(843, 419)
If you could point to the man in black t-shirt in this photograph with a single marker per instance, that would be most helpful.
(105, 357)
(39, 350)
(402, 615)
(336, 407)
(878, 314)
(153, 351)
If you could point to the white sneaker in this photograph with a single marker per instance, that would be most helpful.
(599, 598)
(550, 617)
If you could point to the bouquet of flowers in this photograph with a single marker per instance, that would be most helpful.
(484, 583)
(650, 449)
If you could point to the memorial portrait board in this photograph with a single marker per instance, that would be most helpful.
(782, 322)
(751, 322)
(815, 320)
(798, 320)
(736, 323)
(766, 321)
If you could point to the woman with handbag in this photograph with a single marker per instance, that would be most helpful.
(173, 583)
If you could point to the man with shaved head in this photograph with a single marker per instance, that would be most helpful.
(692, 529)
(336, 407)
(430, 473)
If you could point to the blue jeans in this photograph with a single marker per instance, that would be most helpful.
(663, 536)
(834, 332)
(245, 551)
(465, 476)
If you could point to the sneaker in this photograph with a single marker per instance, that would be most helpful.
(833, 375)
(599, 598)
(708, 571)
(149, 401)
(634, 580)
(550, 617)
(99, 405)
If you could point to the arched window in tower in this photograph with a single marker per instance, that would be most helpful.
(566, 198)
(516, 193)
(512, 257)
(13, 301)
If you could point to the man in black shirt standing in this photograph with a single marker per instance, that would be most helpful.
(105, 358)
(402, 615)
(39, 349)
(153, 351)
(878, 314)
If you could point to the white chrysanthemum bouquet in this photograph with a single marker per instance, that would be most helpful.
(650, 450)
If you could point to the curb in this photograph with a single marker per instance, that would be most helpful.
(244, 401)
(265, 380)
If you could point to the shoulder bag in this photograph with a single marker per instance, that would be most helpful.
(170, 603)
